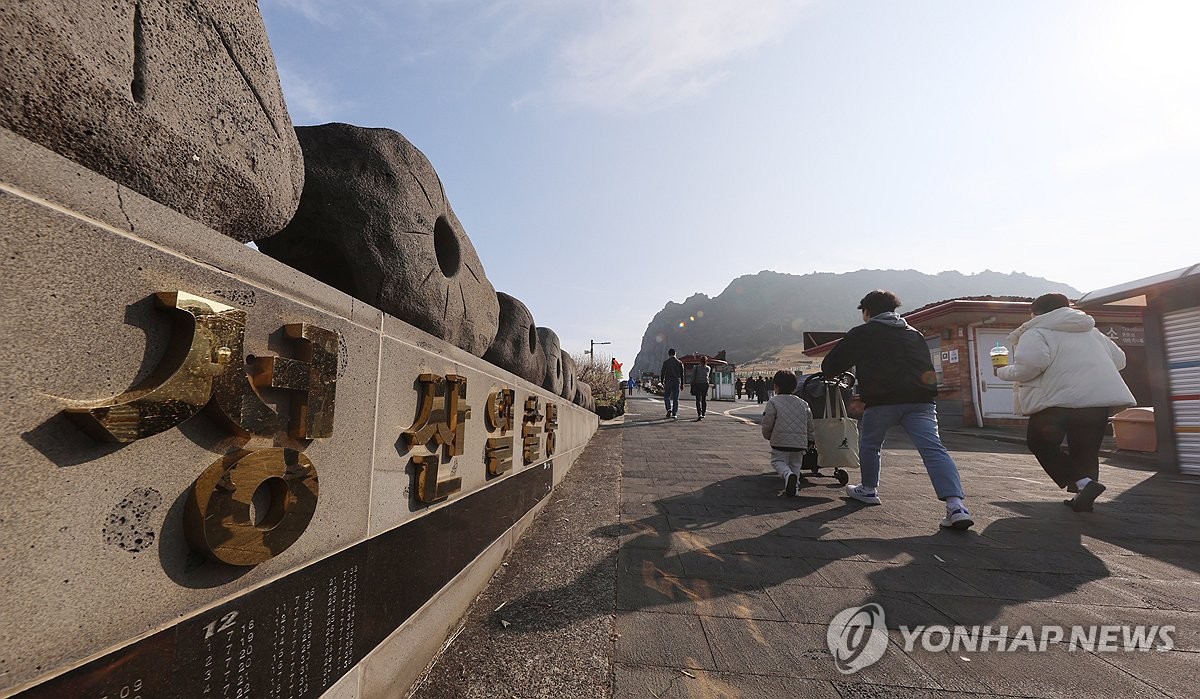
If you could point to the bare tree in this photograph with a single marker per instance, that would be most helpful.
(597, 373)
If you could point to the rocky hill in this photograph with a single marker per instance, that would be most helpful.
(759, 313)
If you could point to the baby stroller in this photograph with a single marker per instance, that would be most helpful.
(827, 398)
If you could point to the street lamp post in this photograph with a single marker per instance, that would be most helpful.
(592, 351)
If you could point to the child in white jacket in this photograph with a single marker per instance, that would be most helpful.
(1068, 380)
(788, 424)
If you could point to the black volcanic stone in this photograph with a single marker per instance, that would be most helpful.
(548, 343)
(179, 101)
(374, 222)
(516, 347)
(568, 384)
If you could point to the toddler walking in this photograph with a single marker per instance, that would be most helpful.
(788, 424)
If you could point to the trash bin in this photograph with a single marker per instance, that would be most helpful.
(1134, 429)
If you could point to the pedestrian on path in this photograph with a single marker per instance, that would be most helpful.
(897, 383)
(760, 389)
(737, 388)
(672, 378)
(788, 424)
(1068, 380)
(701, 377)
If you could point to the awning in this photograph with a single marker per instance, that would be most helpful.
(1141, 287)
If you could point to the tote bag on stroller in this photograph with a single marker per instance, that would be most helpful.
(836, 434)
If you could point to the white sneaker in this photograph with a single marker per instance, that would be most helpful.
(959, 518)
(857, 492)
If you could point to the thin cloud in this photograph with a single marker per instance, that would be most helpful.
(310, 100)
(316, 11)
(642, 56)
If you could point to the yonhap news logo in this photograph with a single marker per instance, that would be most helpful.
(857, 637)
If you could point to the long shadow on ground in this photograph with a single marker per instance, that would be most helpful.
(668, 559)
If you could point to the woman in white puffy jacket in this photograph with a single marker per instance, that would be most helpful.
(1068, 380)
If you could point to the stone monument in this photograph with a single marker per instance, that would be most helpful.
(224, 476)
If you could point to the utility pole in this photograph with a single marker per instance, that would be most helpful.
(592, 351)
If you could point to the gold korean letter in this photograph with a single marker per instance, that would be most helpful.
(436, 428)
(313, 374)
(551, 427)
(500, 409)
(531, 444)
(223, 519)
(204, 358)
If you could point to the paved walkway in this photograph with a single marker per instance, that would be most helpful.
(668, 564)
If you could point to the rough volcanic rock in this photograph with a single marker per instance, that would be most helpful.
(374, 222)
(583, 396)
(516, 346)
(568, 367)
(552, 359)
(179, 101)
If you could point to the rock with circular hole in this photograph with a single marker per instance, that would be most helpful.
(179, 101)
(569, 371)
(552, 360)
(516, 347)
(583, 396)
(374, 222)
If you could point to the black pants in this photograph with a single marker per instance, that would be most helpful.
(1084, 430)
(700, 390)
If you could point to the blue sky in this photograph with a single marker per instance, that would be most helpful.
(606, 156)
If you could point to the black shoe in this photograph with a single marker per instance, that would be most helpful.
(790, 489)
(1083, 501)
(1072, 488)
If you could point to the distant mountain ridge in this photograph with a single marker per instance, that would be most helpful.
(758, 313)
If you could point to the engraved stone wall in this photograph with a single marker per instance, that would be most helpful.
(191, 425)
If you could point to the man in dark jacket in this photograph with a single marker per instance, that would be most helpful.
(701, 376)
(672, 378)
(897, 383)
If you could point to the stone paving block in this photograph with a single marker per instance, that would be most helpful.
(1150, 568)
(798, 650)
(1159, 594)
(971, 611)
(646, 533)
(1056, 673)
(1038, 585)
(894, 578)
(818, 605)
(638, 561)
(667, 640)
(786, 547)
(671, 595)
(1175, 673)
(762, 570)
(637, 682)
(1178, 553)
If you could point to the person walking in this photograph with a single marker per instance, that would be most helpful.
(1068, 381)
(701, 377)
(897, 383)
(631, 383)
(760, 389)
(737, 388)
(788, 424)
(672, 378)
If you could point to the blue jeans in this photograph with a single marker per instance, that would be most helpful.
(671, 395)
(919, 421)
